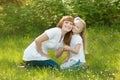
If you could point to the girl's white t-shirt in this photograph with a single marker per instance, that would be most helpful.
(76, 39)
(53, 43)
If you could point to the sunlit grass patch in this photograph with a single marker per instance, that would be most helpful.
(102, 62)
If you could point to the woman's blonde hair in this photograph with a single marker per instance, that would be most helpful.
(68, 35)
(83, 33)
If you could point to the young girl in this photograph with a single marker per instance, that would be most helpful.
(77, 46)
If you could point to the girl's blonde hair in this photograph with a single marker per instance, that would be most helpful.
(83, 33)
(67, 37)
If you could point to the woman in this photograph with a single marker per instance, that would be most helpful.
(35, 54)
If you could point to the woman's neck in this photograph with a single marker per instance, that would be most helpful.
(62, 35)
(63, 32)
(75, 33)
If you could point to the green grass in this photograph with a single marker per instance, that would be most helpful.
(103, 60)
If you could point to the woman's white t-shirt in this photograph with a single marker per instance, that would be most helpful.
(53, 43)
(76, 39)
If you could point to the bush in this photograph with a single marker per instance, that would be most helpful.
(40, 14)
(103, 12)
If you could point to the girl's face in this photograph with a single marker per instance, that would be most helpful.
(67, 26)
(78, 27)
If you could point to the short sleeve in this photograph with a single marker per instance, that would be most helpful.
(51, 32)
(78, 40)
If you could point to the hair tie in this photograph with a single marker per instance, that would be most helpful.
(77, 18)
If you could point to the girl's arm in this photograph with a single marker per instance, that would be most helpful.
(38, 42)
(68, 56)
(73, 50)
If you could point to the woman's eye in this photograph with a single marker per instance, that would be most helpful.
(66, 22)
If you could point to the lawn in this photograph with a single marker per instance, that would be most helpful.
(102, 60)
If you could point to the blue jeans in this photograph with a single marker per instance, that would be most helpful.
(71, 64)
(43, 64)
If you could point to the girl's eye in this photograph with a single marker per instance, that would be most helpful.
(77, 27)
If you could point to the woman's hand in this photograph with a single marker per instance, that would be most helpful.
(45, 55)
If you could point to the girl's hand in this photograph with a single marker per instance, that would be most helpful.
(66, 48)
(67, 57)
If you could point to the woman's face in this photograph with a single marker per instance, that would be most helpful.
(67, 26)
(78, 27)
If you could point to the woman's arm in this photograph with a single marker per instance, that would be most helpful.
(74, 50)
(59, 52)
(38, 42)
